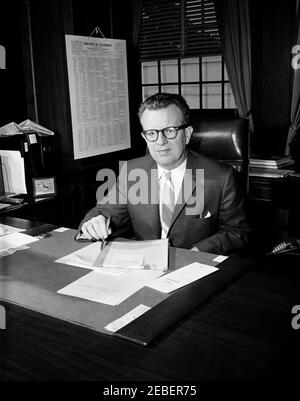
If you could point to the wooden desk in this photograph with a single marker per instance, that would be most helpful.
(242, 333)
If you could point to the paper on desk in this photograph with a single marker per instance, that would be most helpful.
(5, 229)
(181, 277)
(84, 257)
(111, 289)
(15, 240)
(149, 254)
(120, 255)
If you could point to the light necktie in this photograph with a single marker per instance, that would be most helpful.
(167, 204)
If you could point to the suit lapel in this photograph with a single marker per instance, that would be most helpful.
(188, 185)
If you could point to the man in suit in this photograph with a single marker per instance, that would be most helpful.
(190, 199)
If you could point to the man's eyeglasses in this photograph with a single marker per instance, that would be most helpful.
(169, 132)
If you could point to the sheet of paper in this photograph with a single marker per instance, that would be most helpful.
(220, 258)
(97, 72)
(5, 229)
(152, 254)
(111, 289)
(127, 318)
(120, 256)
(13, 171)
(11, 251)
(61, 229)
(15, 240)
(84, 257)
(181, 277)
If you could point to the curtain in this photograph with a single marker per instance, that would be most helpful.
(295, 107)
(234, 27)
(136, 18)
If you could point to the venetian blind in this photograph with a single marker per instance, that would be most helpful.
(178, 28)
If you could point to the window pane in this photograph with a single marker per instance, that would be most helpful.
(211, 96)
(149, 90)
(169, 71)
(211, 68)
(170, 88)
(229, 102)
(225, 73)
(191, 93)
(190, 70)
(150, 73)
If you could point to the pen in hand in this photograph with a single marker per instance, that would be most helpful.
(104, 241)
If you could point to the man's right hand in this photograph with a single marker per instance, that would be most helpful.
(97, 227)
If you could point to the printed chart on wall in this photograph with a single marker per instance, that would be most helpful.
(97, 71)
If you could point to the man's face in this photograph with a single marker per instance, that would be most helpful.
(168, 153)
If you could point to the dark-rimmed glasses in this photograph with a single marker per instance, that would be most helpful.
(151, 135)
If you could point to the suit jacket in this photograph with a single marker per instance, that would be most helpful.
(210, 215)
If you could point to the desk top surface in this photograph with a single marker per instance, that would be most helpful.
(243, 332)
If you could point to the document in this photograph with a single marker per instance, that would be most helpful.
(150, 254)
(13, 171)
(97, 72)
(5, 229)
(15, 240)
(28, 125)
(25, 126)
(121, 256)
(109, 288)
(181, 277)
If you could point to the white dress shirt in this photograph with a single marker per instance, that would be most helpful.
(177, 175)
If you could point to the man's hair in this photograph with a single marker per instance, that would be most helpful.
(162, 100)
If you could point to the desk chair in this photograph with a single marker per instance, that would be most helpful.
(224, 139)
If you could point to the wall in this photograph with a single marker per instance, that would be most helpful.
(48, 21)
(12, 91)
(37, 40)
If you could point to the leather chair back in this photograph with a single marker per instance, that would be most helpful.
(223, 139)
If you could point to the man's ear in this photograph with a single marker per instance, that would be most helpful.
(188, 134)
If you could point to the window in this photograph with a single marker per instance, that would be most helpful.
(202, 81)
(180, 53)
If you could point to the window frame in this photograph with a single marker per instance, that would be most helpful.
(200, 82)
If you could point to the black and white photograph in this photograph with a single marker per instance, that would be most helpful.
(149, 197)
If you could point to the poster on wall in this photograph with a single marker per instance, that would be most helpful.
(97, 71)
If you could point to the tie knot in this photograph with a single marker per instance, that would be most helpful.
(167, 175)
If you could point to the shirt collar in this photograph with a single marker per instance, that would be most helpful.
(179, 169)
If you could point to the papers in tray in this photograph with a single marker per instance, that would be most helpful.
(25, 126)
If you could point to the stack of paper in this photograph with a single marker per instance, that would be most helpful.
(120, 269)
(29, 125)
(122, 256)
(25, 126)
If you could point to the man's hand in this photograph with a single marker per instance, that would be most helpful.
(97, 227)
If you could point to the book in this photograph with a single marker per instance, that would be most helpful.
(287, 165)
(271, 161)
(23, 127)
(268, 172)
